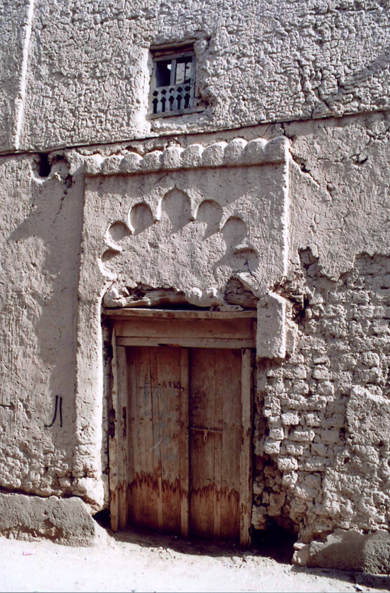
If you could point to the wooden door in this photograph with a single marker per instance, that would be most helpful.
(157, 495)
(215, 442)
(184, 441)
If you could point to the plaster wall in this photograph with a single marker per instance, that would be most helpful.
(296, 211)
(79, 72)
(13, 22)
(40, 243)
(311, 407)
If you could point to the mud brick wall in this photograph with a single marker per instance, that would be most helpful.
(75, 106)
(325, 464)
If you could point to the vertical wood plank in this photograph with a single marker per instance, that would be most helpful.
(173, 72)
(143, 488)
(169, 397)
(184, 444)
(157, 437)
(148, 454)
(218, 484)
(215, 445)
(246, 449)
(113, 443)
(202, 442)
(192, 84)
(133, 466)
(229, 382)
(155, 377)
(122, 426)
(220, 393)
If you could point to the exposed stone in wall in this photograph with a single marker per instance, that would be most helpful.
(315, 401)
(327, 406)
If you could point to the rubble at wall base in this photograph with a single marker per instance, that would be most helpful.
(63, 520)
(347, 550)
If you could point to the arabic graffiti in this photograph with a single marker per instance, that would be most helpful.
(57, 407)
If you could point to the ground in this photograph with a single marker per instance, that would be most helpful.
(141, 562)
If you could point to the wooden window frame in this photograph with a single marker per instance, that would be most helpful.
(172, 55)
(128, 327)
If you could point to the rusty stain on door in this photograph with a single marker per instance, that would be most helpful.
(183, 439)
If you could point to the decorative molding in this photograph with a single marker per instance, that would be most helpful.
(237, 153)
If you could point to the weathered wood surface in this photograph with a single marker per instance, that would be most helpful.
(180, 342)
(144, 470)
(184, 444)
(124, 313)
(246, 449)
(157, 426)
(215, 431)
(181, 458)
(236, 329)
(113, 443)
(122, 427)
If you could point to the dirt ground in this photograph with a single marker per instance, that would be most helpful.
(145, 562)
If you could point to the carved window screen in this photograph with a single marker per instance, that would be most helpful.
(173, 84)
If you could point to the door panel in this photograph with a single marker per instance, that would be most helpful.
(157, 423)
(215, 439)
(183, 439)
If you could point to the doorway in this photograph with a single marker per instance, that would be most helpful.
(183, 438)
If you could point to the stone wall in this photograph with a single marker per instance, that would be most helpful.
(321, 413)
(327, 405)
(77, 223)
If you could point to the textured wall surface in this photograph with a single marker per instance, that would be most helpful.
(327, 406)
(320, 413)
(213, 215)
(40, 243)
(323, 432)
(14, 17)
(294, 203)
(86, 76)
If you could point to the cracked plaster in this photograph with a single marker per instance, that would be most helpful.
(338, 209)
(84, 64)
(321, 462)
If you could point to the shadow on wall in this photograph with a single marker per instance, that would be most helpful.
(239, 254)
(54, 220)
(355, 81)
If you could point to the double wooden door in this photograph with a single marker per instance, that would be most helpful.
(186, 440)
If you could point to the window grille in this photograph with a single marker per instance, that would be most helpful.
(173, 89)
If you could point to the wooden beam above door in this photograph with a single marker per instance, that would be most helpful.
(187, 332)
(176, 314)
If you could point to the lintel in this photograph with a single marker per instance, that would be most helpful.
(187, 329)
(129, 312)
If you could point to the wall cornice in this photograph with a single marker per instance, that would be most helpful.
(237, 153)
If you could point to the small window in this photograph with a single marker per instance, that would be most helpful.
(173, 82)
